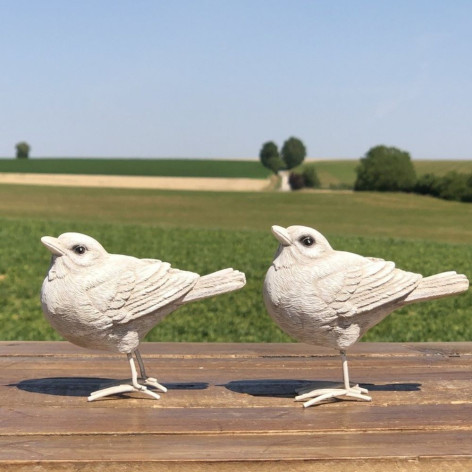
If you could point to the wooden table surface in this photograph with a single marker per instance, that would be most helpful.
(230, 407)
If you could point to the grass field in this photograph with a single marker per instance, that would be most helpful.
(150, 167)
(442, 167)
(357, 214)
(204, 232)
(336, 173)
(339, 173)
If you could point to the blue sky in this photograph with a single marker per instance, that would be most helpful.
(217, 78)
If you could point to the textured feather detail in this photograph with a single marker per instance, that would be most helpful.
(223, 281)
(438, 286)
(112, 293)
(378, 283)
(127, 282)
(154, 285)
(144, 303)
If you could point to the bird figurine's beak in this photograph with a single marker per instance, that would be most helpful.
(53, 245)
(282, 235)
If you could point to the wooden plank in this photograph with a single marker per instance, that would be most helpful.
(237, 350)
(421, 464)
(219, 371)
(22, 421)
(361, 370)
(257, 380)
(242, 447)
(77, 356)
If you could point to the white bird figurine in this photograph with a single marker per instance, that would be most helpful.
(331, 298)
(109, 301)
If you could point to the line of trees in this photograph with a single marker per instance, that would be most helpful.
(382, 169)
(389, 169)
(452, 186)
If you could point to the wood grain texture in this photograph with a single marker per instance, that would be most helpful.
(230, 407)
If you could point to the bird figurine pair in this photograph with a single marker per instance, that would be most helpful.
(314, 293)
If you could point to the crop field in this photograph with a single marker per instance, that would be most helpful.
(357, 214)
(336, 173)
(332, 173)
(442, 167)
(149, 167)
(204, 232)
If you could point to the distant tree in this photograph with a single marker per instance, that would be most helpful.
(428, 184)
(296, 181)
(22, 150)
(270, 157)
(467, 197)
(455, 186)
(307, 178)
(293, 152)
(452, 186)
(385, 169)
(310, 177)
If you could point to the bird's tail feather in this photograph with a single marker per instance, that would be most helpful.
(438, 286)
(217, 283)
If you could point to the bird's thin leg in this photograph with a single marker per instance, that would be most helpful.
(147, 380)
(134, 373)
(354, 391)
(141, 364)
(347, 384)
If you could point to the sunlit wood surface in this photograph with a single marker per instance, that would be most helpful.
(230, 407)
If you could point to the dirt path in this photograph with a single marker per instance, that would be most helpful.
(115, 181)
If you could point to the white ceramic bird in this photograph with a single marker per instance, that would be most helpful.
(331, 298)
(109, 301)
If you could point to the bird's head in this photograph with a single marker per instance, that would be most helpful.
(74, 250)
(299, 244)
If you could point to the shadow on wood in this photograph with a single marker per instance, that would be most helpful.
(82, 386)
(288, 388)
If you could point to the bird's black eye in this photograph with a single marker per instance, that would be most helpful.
(307, 241)
(79, 249)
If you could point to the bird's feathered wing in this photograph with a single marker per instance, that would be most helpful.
(143, 287)
(369, 284)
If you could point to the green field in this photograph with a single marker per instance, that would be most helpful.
(357, 214)
(204, 232)
(342, 173)
(442, 167)
(150, 167)
(332, 173)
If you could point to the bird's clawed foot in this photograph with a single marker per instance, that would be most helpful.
(152, 382)
(123, 388)
(324, 394)
(134, 386)
(346, 392)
